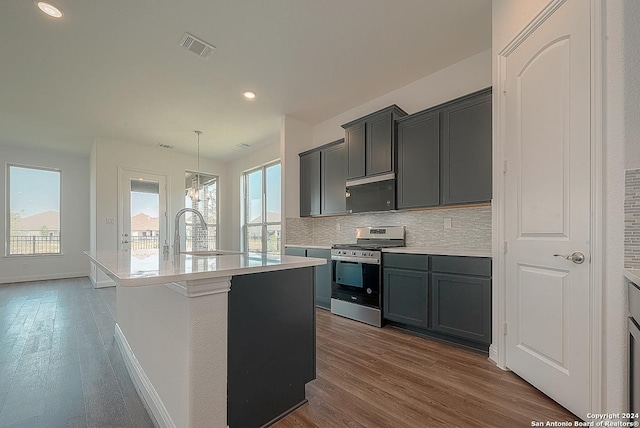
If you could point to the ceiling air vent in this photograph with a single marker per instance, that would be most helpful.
(197, 46)
(165, 146)
(242, 146)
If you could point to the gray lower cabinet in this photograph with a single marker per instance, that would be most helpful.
(405, 296)
(322, 273)
(309, 184)
(333, 167)
(323, 277)
(461, 306)
(446, 297)
(466, 150)
(419, 161)
(295, 251)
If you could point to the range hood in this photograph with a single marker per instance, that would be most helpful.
(370, 194)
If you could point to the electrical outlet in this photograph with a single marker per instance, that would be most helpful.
(447, 222)
(338, 226)
(111, 220)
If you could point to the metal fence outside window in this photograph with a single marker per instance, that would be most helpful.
(34, 245)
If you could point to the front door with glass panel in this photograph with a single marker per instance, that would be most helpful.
(143, 223)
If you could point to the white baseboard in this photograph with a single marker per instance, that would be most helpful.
(493, 354)
(42, 277)
(143, 385)
(104, 283)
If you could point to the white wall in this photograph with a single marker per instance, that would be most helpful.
(620, 140)
(631, 51)
(109, 155)
(235, 170)
(74, 221)
(295, 137)
(459, 79)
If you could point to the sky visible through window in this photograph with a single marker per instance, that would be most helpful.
(255, 192)
(146, 203)
(34, 191)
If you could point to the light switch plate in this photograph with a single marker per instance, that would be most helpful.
(447, 222)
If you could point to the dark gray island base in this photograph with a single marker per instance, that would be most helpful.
(271, 345)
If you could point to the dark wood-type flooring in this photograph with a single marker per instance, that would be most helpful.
(60, 367)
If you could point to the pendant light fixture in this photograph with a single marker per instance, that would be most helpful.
(196, 186)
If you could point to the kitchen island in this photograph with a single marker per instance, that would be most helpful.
(215, 340)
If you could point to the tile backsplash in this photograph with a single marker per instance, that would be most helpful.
(470, 228)
(632, 219)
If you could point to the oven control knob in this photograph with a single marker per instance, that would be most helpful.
(369, 291)
(353, 253)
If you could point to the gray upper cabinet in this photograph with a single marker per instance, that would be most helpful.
(333, 176)
(379, 145)
(309, 183)
(419, 160)
(355, 140)
(371, 143)
(466, 150)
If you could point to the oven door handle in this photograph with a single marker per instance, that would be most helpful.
(356, 260)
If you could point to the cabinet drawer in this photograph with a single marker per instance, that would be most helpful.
(406, 261)
(465, 265)
(634, 301)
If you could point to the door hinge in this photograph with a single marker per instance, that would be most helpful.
(505, 165)
(504, 328)
(504, 247)
(504, 87)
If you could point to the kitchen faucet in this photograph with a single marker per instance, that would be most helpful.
(176, 236)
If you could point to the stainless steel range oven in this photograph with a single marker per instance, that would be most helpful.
(356, 285)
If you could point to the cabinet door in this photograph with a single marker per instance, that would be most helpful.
(355, 139)
(379, 147)
(466, 151)
(419, 161)
(295, 251)
(310, 184)
(461, 306)
(323, 277)
(334, 175)
(405, 296)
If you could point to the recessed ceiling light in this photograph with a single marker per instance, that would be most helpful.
(249, 95)
(49, 9)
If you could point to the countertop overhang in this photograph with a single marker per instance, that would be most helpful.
(632, 275)
(149, 267)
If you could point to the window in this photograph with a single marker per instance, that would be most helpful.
(33, 211)
(202, 196)
(262, 211)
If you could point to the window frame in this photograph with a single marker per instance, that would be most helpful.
(245, 212)
(193, 221)
(7, 235)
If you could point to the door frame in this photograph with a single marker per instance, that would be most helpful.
(121, 188)
(498, 349)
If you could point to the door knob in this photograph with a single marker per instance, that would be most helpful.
(577, 257)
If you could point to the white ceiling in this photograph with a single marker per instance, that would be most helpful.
(114, 69)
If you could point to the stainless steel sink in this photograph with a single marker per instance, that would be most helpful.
(209, 253)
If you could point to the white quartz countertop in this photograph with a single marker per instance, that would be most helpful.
(633, 275)
(435, 251)
(439, 251)
(150, 267)
(318, 247)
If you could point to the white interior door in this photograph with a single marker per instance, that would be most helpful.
(548, 208)
(143, 211)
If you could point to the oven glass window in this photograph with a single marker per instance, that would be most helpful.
(349, 273)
